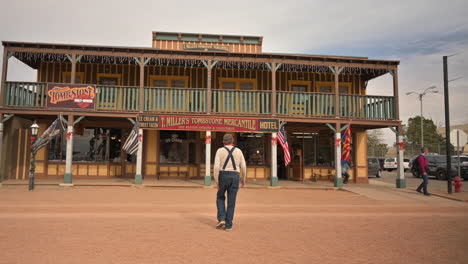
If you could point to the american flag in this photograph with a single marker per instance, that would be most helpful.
(283, 140)
(346, 144)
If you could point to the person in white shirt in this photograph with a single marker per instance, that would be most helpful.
(230, 171)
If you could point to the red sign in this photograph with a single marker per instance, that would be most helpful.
(208, 123)
(75, 96)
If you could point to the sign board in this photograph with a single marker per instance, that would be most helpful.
(71, 96)
(463, 138)
(206, 47)
(207, 123)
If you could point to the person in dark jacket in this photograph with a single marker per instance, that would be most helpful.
(422, 161)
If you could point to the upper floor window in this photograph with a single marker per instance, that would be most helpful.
(299, 86)
(169, 81)
(108, 78)
(329, 87)
(237, 84)
(66, 77)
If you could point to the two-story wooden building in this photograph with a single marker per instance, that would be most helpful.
(186, 91)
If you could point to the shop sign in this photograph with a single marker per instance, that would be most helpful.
(71, 96)
(205, 47)
(211, 123)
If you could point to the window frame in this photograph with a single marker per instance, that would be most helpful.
(99, 76)
(299, 82)
(169, 79)
(237, 82)
(68, 74)
(317, 85)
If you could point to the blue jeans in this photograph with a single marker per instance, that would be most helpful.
(228, 182)
(423, 185)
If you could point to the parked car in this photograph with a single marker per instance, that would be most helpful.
(438, 167)
(373, 167)
(392, 164)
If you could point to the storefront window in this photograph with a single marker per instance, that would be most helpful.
(177, 147)
(253, 147)
(89, 144)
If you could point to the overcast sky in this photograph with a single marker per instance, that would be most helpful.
(418, 33)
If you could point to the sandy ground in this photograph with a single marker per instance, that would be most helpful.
(176, 225)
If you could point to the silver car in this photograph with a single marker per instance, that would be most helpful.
(373, 167)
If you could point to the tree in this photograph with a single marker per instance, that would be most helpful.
(375, 145)
(432, 139)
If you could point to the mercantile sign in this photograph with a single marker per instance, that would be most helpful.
(207, 123)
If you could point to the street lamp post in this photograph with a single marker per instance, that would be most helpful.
(34, 130)
(421, 95)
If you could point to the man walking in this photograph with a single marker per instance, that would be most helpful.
(229, 167)
(422, 170)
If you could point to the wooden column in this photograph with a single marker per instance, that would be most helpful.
(208, 86)
(395, 93)
(274, 162)
(338, 178)
(142, 84)
(139, 162)
(4, 75)
(1, 148)
(73, 69)
(337, 93)
(273, 88)
(67, 178)
(208, 159)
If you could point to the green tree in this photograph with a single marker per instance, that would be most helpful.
(432, 139)
(375, 145)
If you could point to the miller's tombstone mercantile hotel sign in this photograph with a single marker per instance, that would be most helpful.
(204, 123)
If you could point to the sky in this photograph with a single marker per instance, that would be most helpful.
(417, 33)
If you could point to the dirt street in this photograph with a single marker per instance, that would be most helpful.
(176, 225)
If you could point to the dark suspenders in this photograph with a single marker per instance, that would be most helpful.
(230, 157)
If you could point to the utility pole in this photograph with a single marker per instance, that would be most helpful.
(447, 127)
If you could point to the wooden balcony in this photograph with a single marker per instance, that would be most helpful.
(232, 102)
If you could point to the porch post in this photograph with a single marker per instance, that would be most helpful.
(337, 93)
(394, 73)
(400, 182)
(73, 69)
(1, 147)
(274, 162)
(138, 174)
(67, 178)
(338, 179)
(4, 75)
(208, 87)
(208, 159)
(273, 88)
(142, 84)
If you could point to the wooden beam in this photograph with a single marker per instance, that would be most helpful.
(337, 92)
(142, 84)
(208, 85)
(395, 94)
(273, 88)
(73, 69)
(4, 75)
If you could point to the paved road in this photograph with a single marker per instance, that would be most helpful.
(176, 225)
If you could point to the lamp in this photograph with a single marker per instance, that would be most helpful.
(34, 129)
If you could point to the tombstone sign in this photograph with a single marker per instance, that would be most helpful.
(71, 96)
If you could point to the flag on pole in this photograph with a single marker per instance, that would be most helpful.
(54, 130)
(346, 144)
(283, 140)
(131, 144)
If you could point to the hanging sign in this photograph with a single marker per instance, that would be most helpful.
(208, 123)
(71, 96)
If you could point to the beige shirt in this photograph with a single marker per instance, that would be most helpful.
(222, 155)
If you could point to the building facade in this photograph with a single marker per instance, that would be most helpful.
(183, 94)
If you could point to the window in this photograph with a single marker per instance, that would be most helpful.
(329, 87)
(237, 84)
(253, 147)
(299, 86)
(169, 81)
(108, 78)
(177, 147)
(89, 144)
(66, 77)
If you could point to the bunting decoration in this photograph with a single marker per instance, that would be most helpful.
(283, 140)
(54, 130)
(131, 144)
(346, 155)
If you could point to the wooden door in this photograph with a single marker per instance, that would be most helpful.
(297, 164)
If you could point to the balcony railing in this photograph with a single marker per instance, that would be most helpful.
(241, 102)
(367, 107)
(175, 100)
(305, 104)
(191, 100)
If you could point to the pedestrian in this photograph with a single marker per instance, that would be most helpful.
(344, 171)
(422, 171)
(229, 171)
